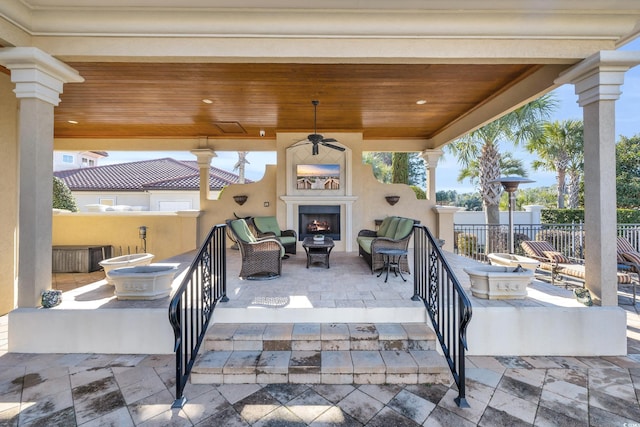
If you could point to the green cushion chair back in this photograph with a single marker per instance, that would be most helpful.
(405, 225)
(267, 224)
(384, 226)
(391, 231)
(241, 228)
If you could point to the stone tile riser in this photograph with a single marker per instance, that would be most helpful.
(291, 353)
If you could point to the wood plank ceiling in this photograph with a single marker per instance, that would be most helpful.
(141, 100)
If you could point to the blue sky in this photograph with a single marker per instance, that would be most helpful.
(627, 124)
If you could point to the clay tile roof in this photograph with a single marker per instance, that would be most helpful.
(158, 174)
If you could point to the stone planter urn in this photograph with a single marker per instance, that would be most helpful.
(510, 260)
(497, 282)
(143, 282)
(123, 261)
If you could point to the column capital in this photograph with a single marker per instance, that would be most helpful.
(204, 156)
(37, 74)
(599, 77)
(431, 157)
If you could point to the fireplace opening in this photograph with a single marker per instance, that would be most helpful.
(323, 220)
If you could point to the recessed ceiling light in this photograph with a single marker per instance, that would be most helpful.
(421, 101)
(207, 101)
(73, 122)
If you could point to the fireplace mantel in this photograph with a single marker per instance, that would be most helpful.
(346, 213)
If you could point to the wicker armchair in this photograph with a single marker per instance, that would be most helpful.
(266, 225)
(261, 257)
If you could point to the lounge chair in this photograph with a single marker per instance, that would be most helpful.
(268, 225)
(261, 257)
(559, 265)
(628, 260)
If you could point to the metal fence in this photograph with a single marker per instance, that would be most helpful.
(477, 240)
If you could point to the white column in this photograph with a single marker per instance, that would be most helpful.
(431, 158)
(204, 156)
(39, 79)
(597, 82)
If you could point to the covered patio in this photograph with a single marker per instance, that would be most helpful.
(549, 321)
(182, 76)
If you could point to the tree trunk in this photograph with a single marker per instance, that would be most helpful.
(492, 216)
(561, 188)
(400, 168)
(489, 164)
(574, 190)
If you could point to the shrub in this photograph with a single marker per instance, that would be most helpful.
(420, 193)
(467, 243)
(62, 197)
(568, 216)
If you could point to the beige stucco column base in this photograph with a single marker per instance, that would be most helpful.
(39, 79)
(444, 227)
(597, 82)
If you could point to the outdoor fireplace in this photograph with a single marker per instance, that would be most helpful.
(322, 219)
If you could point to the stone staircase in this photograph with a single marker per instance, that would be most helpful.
(314, 353)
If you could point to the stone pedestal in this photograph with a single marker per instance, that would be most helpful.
(496, 282)
(144, 281)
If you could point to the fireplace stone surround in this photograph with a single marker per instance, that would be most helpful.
(341, 199)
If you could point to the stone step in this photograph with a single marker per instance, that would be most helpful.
(319, 337)
(307, 353)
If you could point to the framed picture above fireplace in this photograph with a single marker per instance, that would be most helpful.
(318, 177)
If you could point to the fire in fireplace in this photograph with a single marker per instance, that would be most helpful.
(319, 220)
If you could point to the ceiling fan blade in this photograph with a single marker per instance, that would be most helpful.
(335, 147)
(329, 140)
(315, 150)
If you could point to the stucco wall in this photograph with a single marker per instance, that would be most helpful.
(369, 206)
(168, 234)
(8, 194)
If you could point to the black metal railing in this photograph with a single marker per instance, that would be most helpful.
(204, 285)
(447, 304)
(477, 240)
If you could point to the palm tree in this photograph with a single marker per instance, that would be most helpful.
(508, 166)
(560, 148)
(240, 165)
(520, 125)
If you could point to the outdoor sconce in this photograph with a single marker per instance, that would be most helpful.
(240, 199)
(392, 200)
(142, 233)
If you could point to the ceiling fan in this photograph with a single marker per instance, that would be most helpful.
(317, 139)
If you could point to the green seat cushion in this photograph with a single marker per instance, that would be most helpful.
(405, 225)
(365, 243)
(241, 228)
(382, 230)
(267, 224)
(285, 240)
(393, 226)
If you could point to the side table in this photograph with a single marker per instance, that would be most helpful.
(318, 250)
(391, 259)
